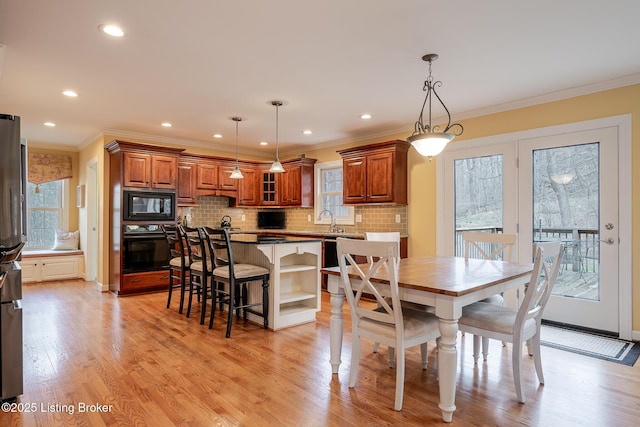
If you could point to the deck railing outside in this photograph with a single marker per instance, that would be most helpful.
(581, 245)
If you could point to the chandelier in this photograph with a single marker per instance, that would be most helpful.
(427, 138)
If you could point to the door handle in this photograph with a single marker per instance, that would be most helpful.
(608, 241)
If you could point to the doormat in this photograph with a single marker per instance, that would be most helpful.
(589, 343)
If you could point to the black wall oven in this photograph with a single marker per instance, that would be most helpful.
(144, 248)
(149, 206)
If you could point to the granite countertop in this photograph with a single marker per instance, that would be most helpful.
(313, 233)
(245, 237)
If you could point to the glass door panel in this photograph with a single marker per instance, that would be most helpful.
(566, 189)
(478, 197)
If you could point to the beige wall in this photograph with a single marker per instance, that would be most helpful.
(421, 181)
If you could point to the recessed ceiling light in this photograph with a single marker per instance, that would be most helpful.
(166, 124)
(217, 135)
(112, 30)
(365, 116)
(50, 124)
(70, 93)
(264, 143)
(307, 132)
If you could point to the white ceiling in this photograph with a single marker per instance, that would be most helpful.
(196, 63)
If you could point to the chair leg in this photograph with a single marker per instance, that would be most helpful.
(232, 302)
(265, 303)
(516, 362)
(399, 379)
(424, 354)
(245, 301)
(485, 348)
(190, 297)
(355, 361)
(205, 296)
(170, 287)
(214, 301)
(476, 348)
(183, 279)
(537, 359)
(376, 346)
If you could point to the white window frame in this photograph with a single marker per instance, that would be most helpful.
(319, 169)
(63, 214)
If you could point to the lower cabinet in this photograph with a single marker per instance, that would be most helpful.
(144, 281)
(41, 268)
(294, 283)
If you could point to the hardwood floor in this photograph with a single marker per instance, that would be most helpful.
(148, 365)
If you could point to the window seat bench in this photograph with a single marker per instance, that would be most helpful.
(44, 265)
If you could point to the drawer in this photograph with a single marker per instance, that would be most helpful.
(146, 280)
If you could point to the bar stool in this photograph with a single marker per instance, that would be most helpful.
(180, 253)
(238, 276)
(200, 270)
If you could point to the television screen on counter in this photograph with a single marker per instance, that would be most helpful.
(271, 219)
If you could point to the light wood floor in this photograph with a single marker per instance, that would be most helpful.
(155, 367)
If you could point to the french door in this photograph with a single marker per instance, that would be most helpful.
(558, 183)
(568, 187)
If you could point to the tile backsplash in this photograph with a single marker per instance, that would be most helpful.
(211, 209)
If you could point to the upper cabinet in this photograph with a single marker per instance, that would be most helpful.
(375, 173)
(144, 166)
(186, 191)
(149, 170)
(296, 183)
(248, 187)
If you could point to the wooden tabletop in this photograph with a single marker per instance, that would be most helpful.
(453, 276)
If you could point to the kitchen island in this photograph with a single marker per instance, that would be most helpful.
(294, 283)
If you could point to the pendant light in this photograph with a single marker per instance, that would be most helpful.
(236, 174)
(276, 166)
(425, 138)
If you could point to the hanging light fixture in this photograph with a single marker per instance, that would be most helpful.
(276, 166)
(236, 174)
(425, 138)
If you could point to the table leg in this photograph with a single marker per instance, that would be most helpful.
(336, 326)
(447, 366)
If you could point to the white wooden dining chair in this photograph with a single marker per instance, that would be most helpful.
(392, 236)
(518, 326)
(478, 244)
(387, 323)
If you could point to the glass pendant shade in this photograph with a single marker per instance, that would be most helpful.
(430, 144)
(276, 166)
(236, 174)
(425, 138)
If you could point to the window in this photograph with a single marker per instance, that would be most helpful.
(329, 194)
(45, 213)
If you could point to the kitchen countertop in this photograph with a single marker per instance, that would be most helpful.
(313, 233)
(245, 237)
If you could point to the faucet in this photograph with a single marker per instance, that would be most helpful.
(333, 220)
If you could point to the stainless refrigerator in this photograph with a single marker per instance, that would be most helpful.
(12, 238)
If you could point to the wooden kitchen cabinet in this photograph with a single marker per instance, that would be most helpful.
(140, 167)
(225, 182)
(186, 191)
(248, 188)
(207, 176)
(142, 170)
(375, 173)
(269, 188)
(296, 183)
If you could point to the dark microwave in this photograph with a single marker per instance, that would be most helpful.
(149, 206)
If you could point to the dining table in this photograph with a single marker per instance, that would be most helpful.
(446, 283)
